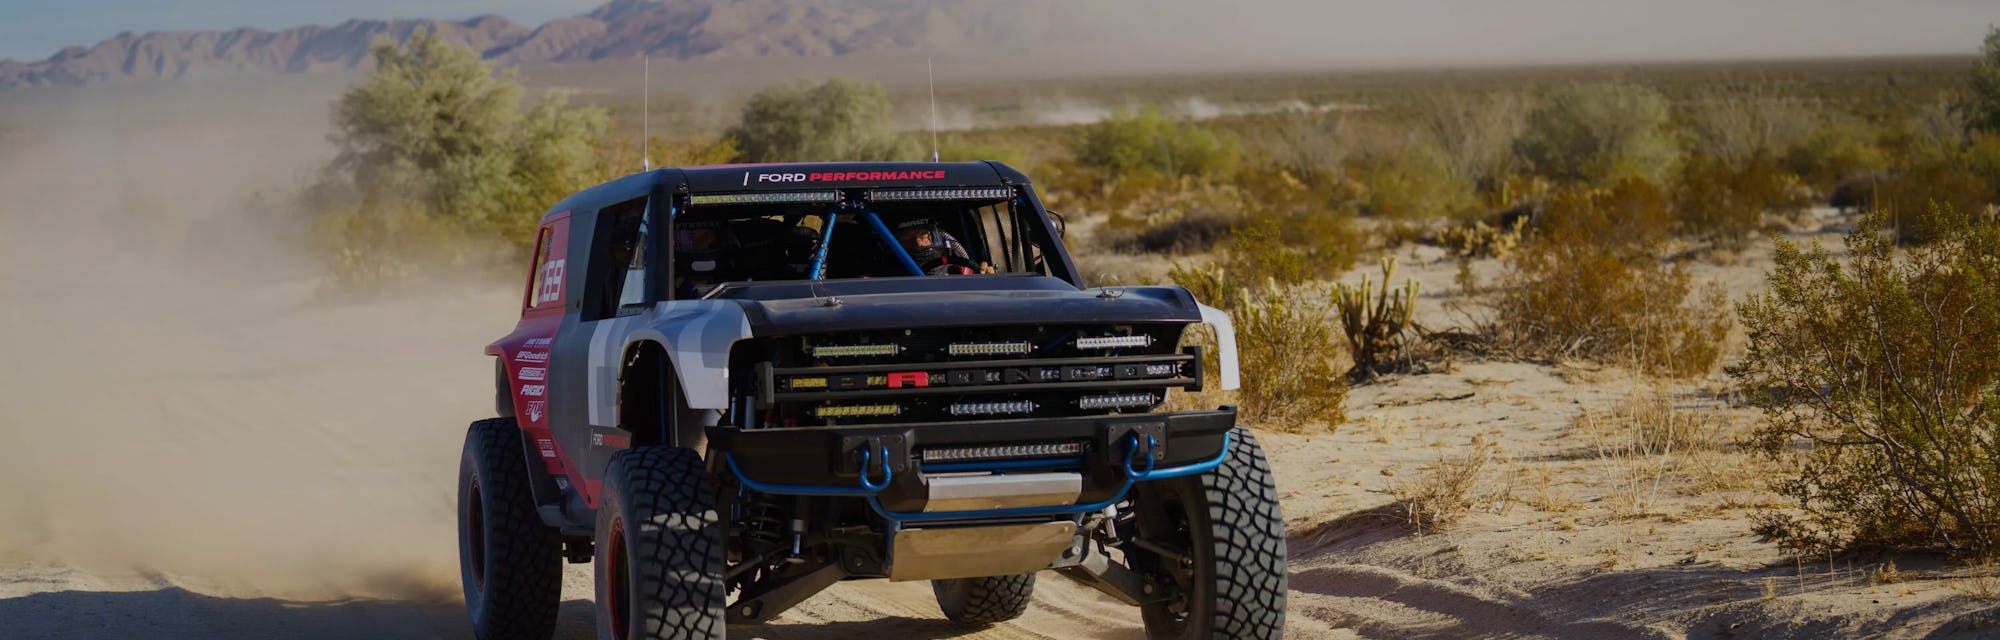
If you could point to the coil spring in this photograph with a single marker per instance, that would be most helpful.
(764, 524)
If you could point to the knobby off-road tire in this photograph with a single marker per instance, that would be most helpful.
(659, 549)
(510, 562)
(984, 601)
(1228, 522)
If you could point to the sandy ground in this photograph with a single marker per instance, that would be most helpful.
(202, 442)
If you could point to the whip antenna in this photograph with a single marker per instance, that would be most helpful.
(934, 128)
(646, 112)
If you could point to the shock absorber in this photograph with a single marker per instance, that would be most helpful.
(765, 525)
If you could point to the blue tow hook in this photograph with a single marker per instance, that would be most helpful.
(888, 472)
(1132, 449)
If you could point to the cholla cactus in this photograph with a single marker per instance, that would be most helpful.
(1376, 322)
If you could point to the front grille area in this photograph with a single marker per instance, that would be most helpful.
(988, 373)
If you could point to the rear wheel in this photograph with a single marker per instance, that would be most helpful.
(984, 601)
(1225, 550)
(509, 561)
(659, 548)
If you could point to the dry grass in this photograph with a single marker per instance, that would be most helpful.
(1446, 492)
(1646, 447)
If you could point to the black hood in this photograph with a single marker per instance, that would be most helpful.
(800, 307)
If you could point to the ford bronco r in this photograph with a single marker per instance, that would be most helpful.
(732, 387)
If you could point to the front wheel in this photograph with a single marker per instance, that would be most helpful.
(979, 602)
(1225, 543)
(659, 549)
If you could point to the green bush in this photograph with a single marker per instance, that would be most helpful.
(1146, 142)
(1630, 218)
(1981, 104)
(1879, 374)
(1413, 182)
(1932, 179)
(1834, 153)
(836, 120)
(431, 125)
(1600, 133)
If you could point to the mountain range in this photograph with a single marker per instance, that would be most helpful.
(668, 29)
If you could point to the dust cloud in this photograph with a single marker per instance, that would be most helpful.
(181, 398)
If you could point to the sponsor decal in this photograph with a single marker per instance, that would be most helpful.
(536, 374)
(548, 448)
(531, 356)
(597, 439)
(869, 176)
(781, 177)
(551, 287)
(534, 390)
(536, 408)
(537, 342)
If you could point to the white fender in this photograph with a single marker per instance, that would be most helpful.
(1225, 338)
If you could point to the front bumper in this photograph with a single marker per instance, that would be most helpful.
(888, 464)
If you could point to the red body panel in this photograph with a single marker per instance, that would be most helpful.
(524, 354)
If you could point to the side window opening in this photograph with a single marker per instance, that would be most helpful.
(544, 275)
(617, 267)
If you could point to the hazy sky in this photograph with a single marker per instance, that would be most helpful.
(1355, 31)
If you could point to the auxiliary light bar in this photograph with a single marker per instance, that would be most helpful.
(1120, 401)
(974, 193)
(1114, 342)
(856, 350)
(857, 410)
(1003, 451)
(992, 408)
(779, 197)
(988, 348)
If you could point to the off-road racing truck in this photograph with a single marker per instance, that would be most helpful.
(732, 387)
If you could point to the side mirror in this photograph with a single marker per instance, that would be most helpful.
(1062, 225)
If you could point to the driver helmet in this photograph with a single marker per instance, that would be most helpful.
(699, 247)
(932, 248)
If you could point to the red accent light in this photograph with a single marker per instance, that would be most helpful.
(912, 378)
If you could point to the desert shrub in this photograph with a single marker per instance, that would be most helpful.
(1931, 180)
(839, 119)
(1209, 284)
(432, 124)
(1568, 297)
(393, 243)
(1188, 233)
(1414, 181)
(1724, 203)
(1737, 130)
(1474, 133)
(1378, 324)
(1287, 344)
(1600, 133)
(1630, 217)
(1981, 103)
(1478, 239)
(952, 148)
(1835, 153)
(1879, 374)
(1147, 142)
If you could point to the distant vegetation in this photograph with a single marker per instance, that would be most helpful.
(1596, 191)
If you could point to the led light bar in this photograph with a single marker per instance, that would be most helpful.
(1114, 342)
(779, 197)
(988, 348)
(857, 410)
(1120, 401)
(1004, 451)
(1162, 369)
(975, 193)
(837, 351)
(992, 408)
